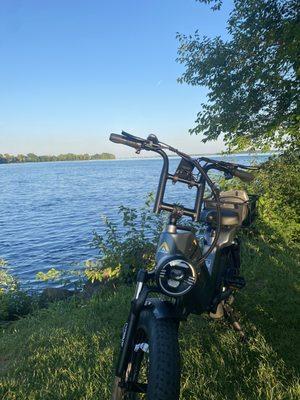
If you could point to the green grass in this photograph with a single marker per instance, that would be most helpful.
(67, 351)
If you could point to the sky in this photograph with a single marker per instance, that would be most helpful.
(73, 71)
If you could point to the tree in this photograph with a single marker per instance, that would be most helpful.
(253, 78)
(31, 157)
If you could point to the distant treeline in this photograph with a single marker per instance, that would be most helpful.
(21, 158)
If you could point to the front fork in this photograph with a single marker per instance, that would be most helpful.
(137, 304)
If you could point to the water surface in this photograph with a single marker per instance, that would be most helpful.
(48, 211)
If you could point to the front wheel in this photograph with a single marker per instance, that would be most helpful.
(153, 370)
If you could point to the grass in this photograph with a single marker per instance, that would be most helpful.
(67, 351)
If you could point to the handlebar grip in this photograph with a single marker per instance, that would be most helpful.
(243, 175)
(122, 140)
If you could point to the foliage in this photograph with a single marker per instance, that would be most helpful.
(216, 3)
(7, 281)
(73, 279)
(122, 253)
(13, 301)
(16, 304)
(252, 77)
(277, 183)
(31, 157)
(52, 274)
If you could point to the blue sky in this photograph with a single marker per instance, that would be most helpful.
(72, 71)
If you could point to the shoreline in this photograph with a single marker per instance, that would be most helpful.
(146, 158)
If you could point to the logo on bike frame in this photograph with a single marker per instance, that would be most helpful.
(164, 248)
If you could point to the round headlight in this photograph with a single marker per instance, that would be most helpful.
(175, 276)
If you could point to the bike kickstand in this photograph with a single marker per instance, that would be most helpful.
(231, 316)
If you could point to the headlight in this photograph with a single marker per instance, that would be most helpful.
(175, 276)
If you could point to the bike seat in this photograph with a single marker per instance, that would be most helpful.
(228, 217)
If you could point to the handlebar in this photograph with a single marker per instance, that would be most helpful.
(152, 143)
(237, 170)
(242, 175)
(120, 139)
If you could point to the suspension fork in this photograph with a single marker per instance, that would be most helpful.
(236, 253)
(137, 303)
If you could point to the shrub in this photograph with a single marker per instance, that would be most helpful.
(73, 279)
(14, 302)
(277, 183)
(7, 281)
(123, 253)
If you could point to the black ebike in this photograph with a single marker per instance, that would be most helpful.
(191, 278)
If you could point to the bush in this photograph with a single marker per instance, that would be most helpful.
(63, 278)
(277, 183)
(7, 281)
(14, 302)
(122, 254)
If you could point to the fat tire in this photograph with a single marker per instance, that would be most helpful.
(164, 359)
(164, 356)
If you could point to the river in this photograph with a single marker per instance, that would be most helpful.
(48, 211)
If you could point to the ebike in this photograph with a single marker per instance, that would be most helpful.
(188, 278)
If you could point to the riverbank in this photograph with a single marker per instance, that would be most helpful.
(67, 351)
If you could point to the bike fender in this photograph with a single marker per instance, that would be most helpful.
(164, 309)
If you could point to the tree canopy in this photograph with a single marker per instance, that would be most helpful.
(252, 77)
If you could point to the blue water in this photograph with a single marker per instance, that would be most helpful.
(48, 211)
